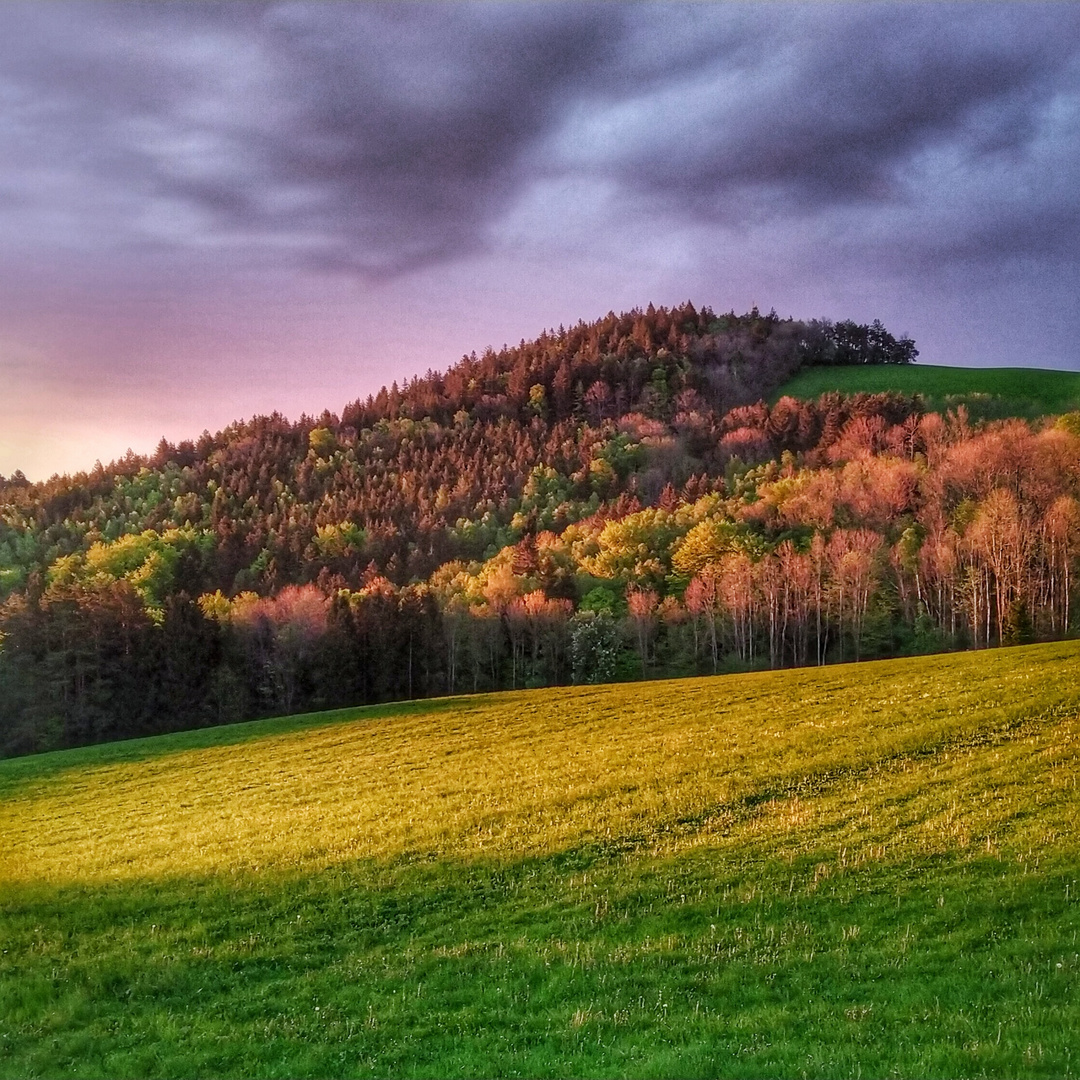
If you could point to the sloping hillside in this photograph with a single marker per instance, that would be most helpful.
(808, 872)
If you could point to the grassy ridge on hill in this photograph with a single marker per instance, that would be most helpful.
(987, 393)
(820, 872)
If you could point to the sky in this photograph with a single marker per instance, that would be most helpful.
(211, 211)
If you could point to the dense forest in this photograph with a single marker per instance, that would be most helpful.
(610, 501)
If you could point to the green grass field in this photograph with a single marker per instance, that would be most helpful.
(987, 393)
(857, 870)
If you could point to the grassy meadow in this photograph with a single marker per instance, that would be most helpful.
(857, 870)
(987, 393)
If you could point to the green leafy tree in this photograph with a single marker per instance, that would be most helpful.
(594, 647)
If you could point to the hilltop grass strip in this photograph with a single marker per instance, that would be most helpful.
(858, 869)
(987, 393)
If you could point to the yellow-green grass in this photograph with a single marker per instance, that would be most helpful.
(867, 868)
(987, 393)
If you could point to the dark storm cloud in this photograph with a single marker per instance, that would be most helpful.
(832, 106)
(413, 120)
(379, 138)
(931, 132)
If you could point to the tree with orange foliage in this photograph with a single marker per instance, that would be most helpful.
(739, 594)
(541, 622)
(1060, 535)
(851, 554)
(1001, 543)
(702, 600)
(796, 572)
(641, 605)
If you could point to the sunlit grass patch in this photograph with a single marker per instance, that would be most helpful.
(515, 774)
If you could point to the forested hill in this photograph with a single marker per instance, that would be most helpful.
(440, 468)
(615, 500)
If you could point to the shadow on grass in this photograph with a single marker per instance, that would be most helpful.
(583, 964)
